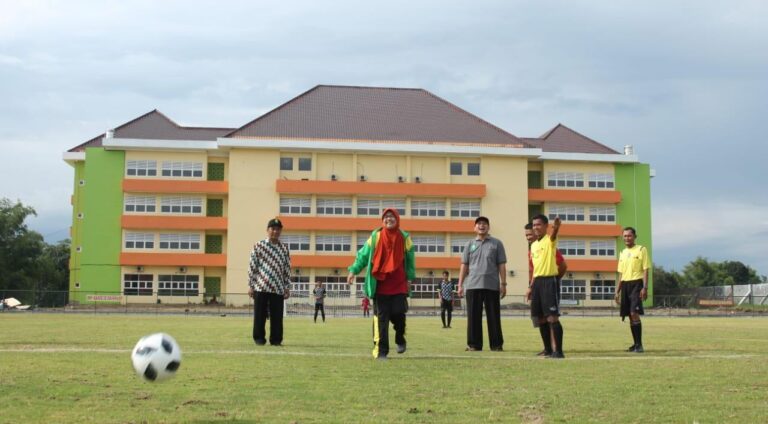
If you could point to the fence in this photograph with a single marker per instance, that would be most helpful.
(710, 302)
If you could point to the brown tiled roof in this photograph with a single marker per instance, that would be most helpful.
(156, 126)
(563, 139)
(375, 114)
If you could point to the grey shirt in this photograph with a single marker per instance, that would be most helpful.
(483, 258)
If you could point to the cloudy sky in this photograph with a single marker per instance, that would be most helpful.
(685, 82)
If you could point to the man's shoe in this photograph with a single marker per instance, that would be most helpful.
(401, 348)
(557, 355)
(381, 358)
(631, 348)
(497, 349)
(639, 349)
(260, 342)
(544, 353)
(471, 349)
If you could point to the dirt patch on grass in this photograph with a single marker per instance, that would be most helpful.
(531, 414)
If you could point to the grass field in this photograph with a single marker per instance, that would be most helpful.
(76, 368)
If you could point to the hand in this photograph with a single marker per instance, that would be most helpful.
(557, 221)
(643, 293)
(460, 290)
(617, 298)
(528, 295)
(351, 278)
(286, 293)
(250, 292)
(503, 290)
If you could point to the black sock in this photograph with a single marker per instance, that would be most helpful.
(449, 318)
(558, 330)
(545, 337)
(639, 330)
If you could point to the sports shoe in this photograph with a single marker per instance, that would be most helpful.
(631, 348)
(544, 353)
(557, 355)
(471, 349)
(497, 349)
(639, 349)
(381, 358)
(401, 348)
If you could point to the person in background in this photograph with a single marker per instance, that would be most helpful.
(634, 263)
(446, 299)
(319, 292)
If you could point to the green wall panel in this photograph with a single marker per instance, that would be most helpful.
(76, 229)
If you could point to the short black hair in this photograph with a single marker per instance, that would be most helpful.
(634, 233)
(540, 217)
(445, 273)
(483, 219)
(529, 226)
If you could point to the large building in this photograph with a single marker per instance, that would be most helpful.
(167, 213)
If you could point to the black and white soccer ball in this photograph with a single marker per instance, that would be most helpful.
(156, 357)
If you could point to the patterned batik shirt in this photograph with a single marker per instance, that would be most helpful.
(270, 267)
(446, 290)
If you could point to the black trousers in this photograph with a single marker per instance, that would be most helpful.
(477, 299)
(386, 309)
(446, 306)
(268, 303)
(319, 307)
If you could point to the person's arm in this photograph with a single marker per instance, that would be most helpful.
(555, 228)
(410, 262)
(646, 267)
(287, 274)
(502, 280)
(617, 295)
(361, 261)
(462, 274)
(253, 269)
(562, 266)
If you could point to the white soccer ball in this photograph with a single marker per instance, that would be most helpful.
(156, 357)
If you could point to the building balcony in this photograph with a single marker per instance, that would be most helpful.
(592, 265)
(155, 222)
(142, 185)
(173, 259)
(472, 191)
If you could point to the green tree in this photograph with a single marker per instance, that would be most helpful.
(699, 273)
(665, 282)
(19, 248)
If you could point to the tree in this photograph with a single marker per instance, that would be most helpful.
(665, 282)
(700, 272)
(19, 247)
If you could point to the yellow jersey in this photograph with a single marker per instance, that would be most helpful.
(543, 257)
(633, 262)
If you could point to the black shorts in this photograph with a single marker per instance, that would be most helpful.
(446, 305)
(545, 297)
(630, 298)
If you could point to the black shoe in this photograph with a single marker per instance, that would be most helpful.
(639, 349)
(260, 342)
(381, 358)
(445, 326)
(276, 344)
(401, 348)
(544, 353)
(557, 355)
(631, 348)
(472, 349)
(497, 349)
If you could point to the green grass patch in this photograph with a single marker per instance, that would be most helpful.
(76, 368)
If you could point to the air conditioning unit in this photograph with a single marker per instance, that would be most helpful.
(400, 179)
(334, 177)
(363, 178)
(417, 179)
(598, 276)
(139, 268)
(570, 275)
(182, 269)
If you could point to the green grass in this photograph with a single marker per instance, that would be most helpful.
(76, 368)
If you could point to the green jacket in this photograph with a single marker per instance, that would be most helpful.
(365, 256)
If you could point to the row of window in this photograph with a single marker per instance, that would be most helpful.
(577, 213)
(374, 207)
(288, 163)
(168, 204)
(576, 179)
(343, 243)
(596, 247)
(167, 285)
(179, 169)
(577, 289)
(175, 241)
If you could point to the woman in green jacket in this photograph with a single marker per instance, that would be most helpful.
(389, 258)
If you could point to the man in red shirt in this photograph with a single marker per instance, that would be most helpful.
(562, 267)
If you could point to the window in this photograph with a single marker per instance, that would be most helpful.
(178, 285)
(602, 289)
(286, 164)
(567, 213)
(602, 248)
(296, 242)
(182, 169)
(180, 241)
(335, 285)
(214, 207)
(295, 205)
(305, 164)
(429, 244)
(214, 243)
(215, 171)
(300, 286)
(334, 206)
(137, 284)
(459, 243)
(141, 168)
(139, 241)
(425, 288)
(572, 247)
(565, 179)
(465, 209)
(143, 204)
(573, 289)
(181, 204)
(361, 239)
(374, 207)
(333, 243)
(473, 168)
(602, 214)
(534, 179)
(601, 181)
(427, 208)
(456, 168)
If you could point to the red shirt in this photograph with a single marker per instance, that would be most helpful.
(395, 283)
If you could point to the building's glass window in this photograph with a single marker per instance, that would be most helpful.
(295, 205)
(425, 288)
(141, 168)
(141, 204)
(573, 289)
(139, 241)
(374, 207)
(361, 239)
(334, 206)
(602, 214)
(182, 169)
(178, 285)
(300, 286)
(433, 208)
(181, 204)
(296, 242)
(286, 164)
(137, 284)
(458, 243)
(602, 289)
(335, 285)
(473, 168)
(333, 243)
(572, 247)
(456, 168)
(602, 248)
(465, 208)
(567, 213)
(601, 181)
(565, 179)
(429, 244)
(180, 241)
(305, 164)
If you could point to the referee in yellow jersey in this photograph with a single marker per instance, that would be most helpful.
(634, 264)
(544, 291)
